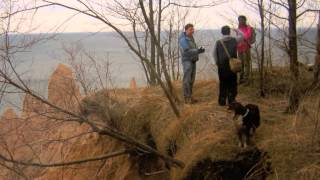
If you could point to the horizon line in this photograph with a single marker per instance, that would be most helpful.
(97, 32)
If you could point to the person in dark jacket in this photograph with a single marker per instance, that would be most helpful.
(227, 78)
(190, 55)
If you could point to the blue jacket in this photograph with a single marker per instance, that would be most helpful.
(188, 48)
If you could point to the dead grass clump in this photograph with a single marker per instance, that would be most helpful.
(199, 134)
(307, 121)
(205, 145)
(147, 163)
(293, 141)
(106, 110)
(277, 81)
(311, 172)
(206, 91)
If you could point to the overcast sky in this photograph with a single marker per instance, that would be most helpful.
(48, 19)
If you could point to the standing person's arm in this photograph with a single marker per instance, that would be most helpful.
(214, 54)
(186, 49)
(239, 35)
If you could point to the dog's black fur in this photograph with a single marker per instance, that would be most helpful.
(250, 121)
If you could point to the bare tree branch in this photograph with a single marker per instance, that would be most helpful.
(195, 5)
(307, 11)
(96, 158)
(24, 10)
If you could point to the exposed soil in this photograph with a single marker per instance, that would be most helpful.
(250, 164)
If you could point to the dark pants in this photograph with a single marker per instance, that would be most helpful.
(227, 88)
(189, 76)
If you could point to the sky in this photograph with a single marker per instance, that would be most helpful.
(52, 19)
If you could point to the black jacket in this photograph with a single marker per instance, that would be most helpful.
(221, 58)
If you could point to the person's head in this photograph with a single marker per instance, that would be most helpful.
(242, 20)
(189, 29)
(225, 30)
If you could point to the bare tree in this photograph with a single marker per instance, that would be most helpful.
(317, 58)
(262, 26)
(91, 72)
(52, 112)
(295, 11)
(176, 20)
(294, 96)
(260, 5)
(152, 41)
(269, 20)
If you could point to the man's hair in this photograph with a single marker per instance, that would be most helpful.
(225, 30)
(242, 17)
(188, 26)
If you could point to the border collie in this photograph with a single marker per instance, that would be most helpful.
(250, 121)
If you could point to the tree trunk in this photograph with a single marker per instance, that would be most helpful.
(149, 71)
(162, 57)
(152, 43)
(269, 61)
(178, 63)
(294, 94)
(317, 59)
(261, 12)
(159, 37)
(170, 52)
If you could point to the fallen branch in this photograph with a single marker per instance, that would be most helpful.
(43, 165)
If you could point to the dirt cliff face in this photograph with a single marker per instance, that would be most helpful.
(9, 124)
(32, 106)
(43, 134)
(62, 89)
(9, 120)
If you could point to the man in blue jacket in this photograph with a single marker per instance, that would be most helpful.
(190, 55)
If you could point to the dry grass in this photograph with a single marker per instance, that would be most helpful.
(277, 81)
(292, 141)
(205, 130)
